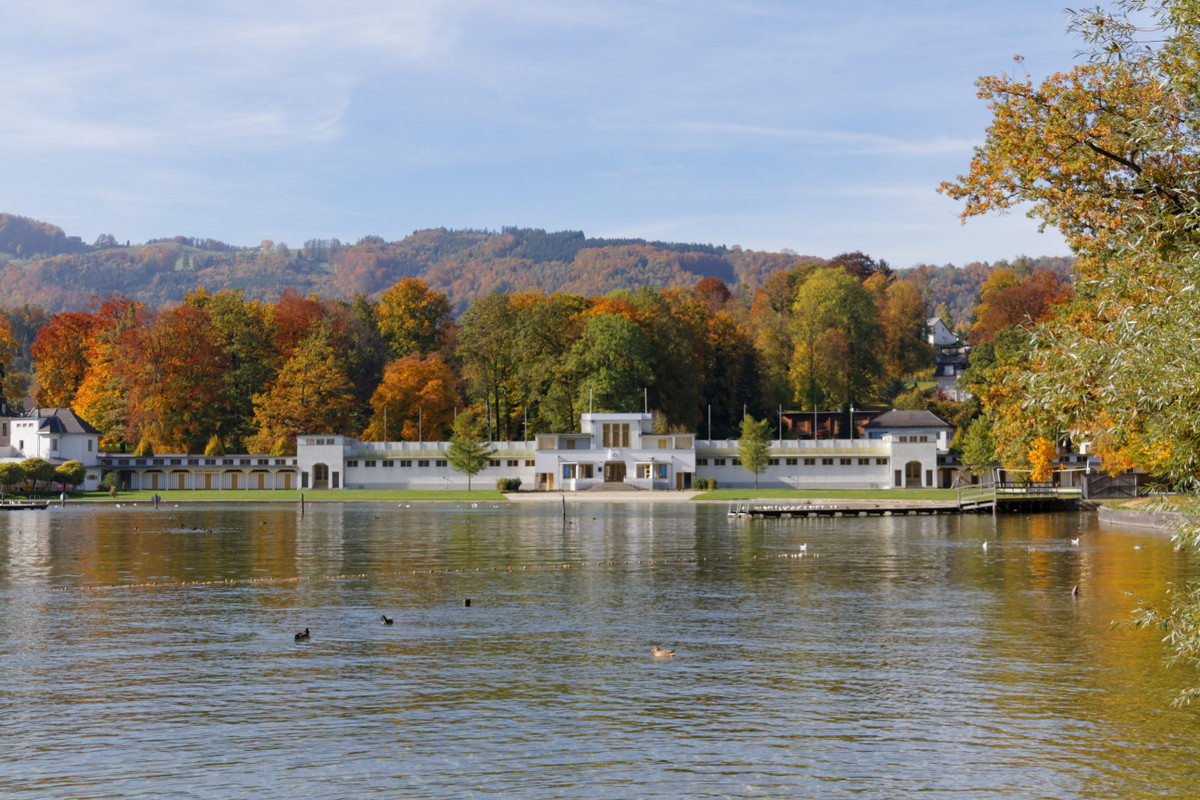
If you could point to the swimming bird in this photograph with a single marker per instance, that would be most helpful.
(1075, 540)
(804, 547)
(1075, 590)
(985, 547)
(660, 652)
(302, 635)
(385, 619)
(1138, 546)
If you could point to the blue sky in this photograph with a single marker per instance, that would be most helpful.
(812, 126)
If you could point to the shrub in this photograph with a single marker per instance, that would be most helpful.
(509, 484)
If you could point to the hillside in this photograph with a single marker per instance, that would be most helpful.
(41, 266)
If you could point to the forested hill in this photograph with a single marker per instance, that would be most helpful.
(40, 265)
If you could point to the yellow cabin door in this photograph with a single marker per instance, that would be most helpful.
(287, 480)
(154, 481)
(262, 480)
(180, 481)
(208, 481)
(233, 476)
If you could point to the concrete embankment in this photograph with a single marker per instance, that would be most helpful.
(1166, 521)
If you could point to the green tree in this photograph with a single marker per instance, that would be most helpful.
(754, 445)
(310, 394)
(214, 447)
(70, 472)
(11, 475)
(614, 362)
(38, 469)
(979, 447)
(469, 450)
(837, 336)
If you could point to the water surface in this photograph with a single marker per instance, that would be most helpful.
(151, 653)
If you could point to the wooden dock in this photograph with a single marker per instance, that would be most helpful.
(996, 499)
(804, 509)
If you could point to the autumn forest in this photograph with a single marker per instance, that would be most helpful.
(526, 328)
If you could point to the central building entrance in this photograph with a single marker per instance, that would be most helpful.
(614, 472)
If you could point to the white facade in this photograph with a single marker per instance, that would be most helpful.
(615, 449)
(622, 451)
(940, 334)
(55, 435)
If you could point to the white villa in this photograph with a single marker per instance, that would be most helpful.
(54, 434)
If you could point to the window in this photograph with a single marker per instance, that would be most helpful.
(369, 463)
(545, 443)
(864, 462)
(529, 462)
(615, 434)
(791, 462)
(441, 462)
(210, 462)
(718, 462)
(662, 443)
(405, 463)
(422, 462)
(585, 471)
(683, 442)
(495, 462)
(882, 462)
(91, 443)
(701, 462)
(570, 443)
(387, 463)
(772, 462)
(569, 471)
(827, 462)
(643, 470)
(660, 472)
(512, 462)
(737, 462)
(924, 439)
(847, 462)
(810, 462)
(352, 463)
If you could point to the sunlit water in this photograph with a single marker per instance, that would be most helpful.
(151, 653)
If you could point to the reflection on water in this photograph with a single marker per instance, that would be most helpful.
(151, 653)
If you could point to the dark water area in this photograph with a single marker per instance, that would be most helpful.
(150, 653)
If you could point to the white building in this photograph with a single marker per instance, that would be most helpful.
(54, 434)
(940, 334)
(622, 451)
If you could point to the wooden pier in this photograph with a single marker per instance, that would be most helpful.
(995, 499)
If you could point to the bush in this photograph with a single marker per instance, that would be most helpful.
(509, 484)
(704, 484)
(112, 481)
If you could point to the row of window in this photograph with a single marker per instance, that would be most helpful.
(196, 462)
(915, 438)
(389, 462)
(793, 462)
(424, 462)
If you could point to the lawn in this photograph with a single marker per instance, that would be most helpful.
(284, 496)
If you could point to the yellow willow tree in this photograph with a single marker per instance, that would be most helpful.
(1109, 154)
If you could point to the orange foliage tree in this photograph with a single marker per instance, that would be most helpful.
(417, 397)
(60, 358)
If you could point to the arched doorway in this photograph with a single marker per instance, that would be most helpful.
(912, 474)
(320, 475)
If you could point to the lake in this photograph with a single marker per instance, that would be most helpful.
(151, 653)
